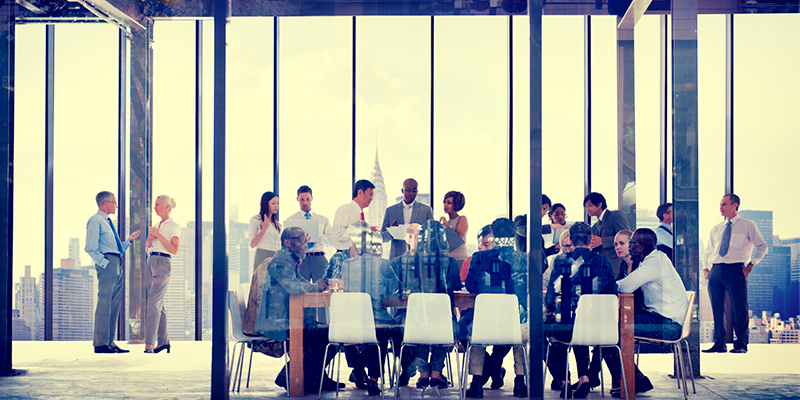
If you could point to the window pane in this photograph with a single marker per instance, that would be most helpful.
(470, 117)
(604, 109)
(393, 108)
(315, 112)
(767, 145)
(86, 78)
(29, 179)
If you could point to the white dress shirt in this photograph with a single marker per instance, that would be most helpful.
(661, 285)
(324, 227)
(272, 238)
(169, 229)
(664, 237)
(345, 215)
(744, 235)
(407, 209)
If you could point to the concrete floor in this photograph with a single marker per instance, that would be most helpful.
(70, 370)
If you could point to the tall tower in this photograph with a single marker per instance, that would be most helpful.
(27, 302)
(73, 316)
(75, 251)
(378, 206)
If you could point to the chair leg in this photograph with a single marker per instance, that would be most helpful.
(249, 367)
(691, 368)
(322, 374)
(638, 343)
(525, 363)
(681, 371)
(380, 366)
(389, 363)
(622, 368)
(397, 371)
(546, 360)
(286, 367)
(602, 383)
(566, 374)
(231, 380)
(338, 368)
(241, 367)
(458, 367)
(465, 371)
(449, 368)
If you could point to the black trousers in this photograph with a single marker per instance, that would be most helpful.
(557, 363)
(729, 278)
(366, 356)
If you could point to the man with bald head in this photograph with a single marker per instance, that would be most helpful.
(408, 211)
(665, 298)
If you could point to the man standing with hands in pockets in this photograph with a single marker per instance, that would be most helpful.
(728, 257)
(104, 246)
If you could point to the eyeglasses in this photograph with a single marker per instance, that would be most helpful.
(566, 246)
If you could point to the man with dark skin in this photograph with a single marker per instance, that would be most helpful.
(409, 211)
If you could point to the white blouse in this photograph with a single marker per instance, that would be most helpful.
(169, 229)
(271, 239)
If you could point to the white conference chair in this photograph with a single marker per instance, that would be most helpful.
(496, 322)
(677, 350)
(236, 307)
(429, 322)
(351, 322)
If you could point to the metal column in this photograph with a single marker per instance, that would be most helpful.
(198, 181)
(49, 147)
(122, 164)
(626, 123)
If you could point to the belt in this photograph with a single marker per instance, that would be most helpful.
(112, 254)
(316, 253)
(161, 254)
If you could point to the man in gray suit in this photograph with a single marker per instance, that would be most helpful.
(405, 212)
(607, 225)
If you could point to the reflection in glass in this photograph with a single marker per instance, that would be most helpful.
(604, 109)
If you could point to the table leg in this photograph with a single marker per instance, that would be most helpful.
(296, 378)
(627, 343)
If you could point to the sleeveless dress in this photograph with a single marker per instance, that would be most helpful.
(460, 252)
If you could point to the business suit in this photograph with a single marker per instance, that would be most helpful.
(419, 214)
(611, 223)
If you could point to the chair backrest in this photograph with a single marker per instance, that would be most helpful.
(236, 315)
(687, 320)
(496, 320)
(351, 319)
(596, 320)
(428, 319)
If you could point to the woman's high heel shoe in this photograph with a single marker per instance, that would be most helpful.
(582, 391)
(162, 347)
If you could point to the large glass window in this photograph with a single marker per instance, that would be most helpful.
(86, 101)
(315, 97)
(393, 108)
(173, 160)
(470, 117)
(604, 109)
(29, 97)
(767, 144)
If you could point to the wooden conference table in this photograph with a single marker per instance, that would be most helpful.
(463, 301)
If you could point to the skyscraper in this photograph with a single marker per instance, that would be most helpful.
(176, 300)
(793, 297)
(767, 280)
(73, 316)
(377, 208)
(75, 251)
(27, 302)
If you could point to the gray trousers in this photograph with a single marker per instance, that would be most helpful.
(313, 267)
(159, 269)
(111, 288)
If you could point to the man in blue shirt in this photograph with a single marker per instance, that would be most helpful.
(106, 249)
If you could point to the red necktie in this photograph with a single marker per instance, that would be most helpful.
(362, 216)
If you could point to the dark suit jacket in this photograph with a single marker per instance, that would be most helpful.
(613, 222)
(419, 214)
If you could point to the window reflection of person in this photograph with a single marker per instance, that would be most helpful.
(485, 242)
(265, 230)
(453, 203)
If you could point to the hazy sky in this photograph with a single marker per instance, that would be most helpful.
(393, 116)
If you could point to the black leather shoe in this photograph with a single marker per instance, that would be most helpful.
(716, 349)
(581, 391)
(166, 347)
(439, 383)
(359, 377)
(615, 392)
(643, 385)
(594, 380)
(330, 385)
(557, 385)
(520, 388)
(104, 350)
(566, 393)
(497, 381)
(739, 351)
(280, 380)
(117, 349)
(403, 379)
(372, 388)
(475, 390)
(422, 383)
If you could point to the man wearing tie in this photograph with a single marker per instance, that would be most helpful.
(728, 253)
(314, 265)
(405, 212)
(608, 224)
(353, 211)
(106, 249)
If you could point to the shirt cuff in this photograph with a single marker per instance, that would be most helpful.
(103, 263)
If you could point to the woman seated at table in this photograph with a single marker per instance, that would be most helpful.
(664, 298)
(580, 272)
(565, 246)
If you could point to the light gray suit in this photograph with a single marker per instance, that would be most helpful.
(419, 214)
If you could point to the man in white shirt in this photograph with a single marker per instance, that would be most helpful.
(664, 230)
(405, 212)
(351, 212)
(728, 257)
(315, 263)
